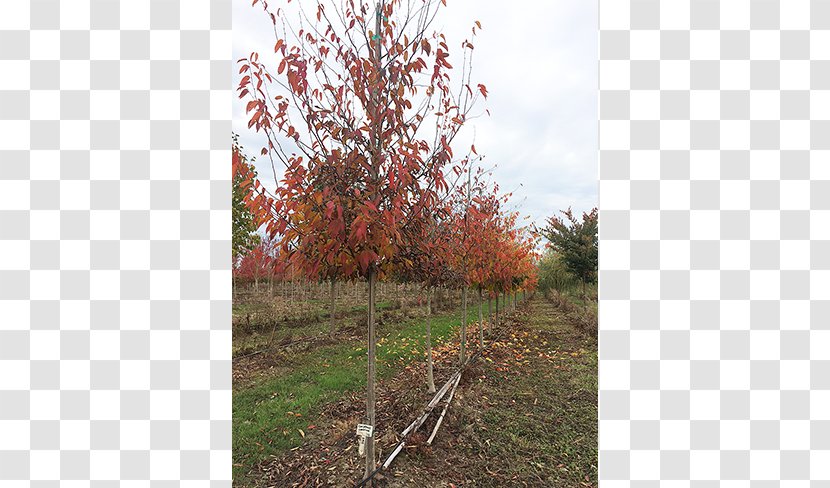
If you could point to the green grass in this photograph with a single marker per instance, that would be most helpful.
(552, 429)
(262, 425)
(574, 295)
(242, 309)
(560, 429)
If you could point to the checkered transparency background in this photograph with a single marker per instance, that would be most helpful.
(115, 243)
(715, 243)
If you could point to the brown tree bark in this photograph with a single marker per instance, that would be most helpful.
(332, 315)
(489, 314)
(480, 321)
(430, 379)
(463, 353)
(497, 310)
(370, 377)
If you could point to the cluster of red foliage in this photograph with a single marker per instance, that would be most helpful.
(465, 240)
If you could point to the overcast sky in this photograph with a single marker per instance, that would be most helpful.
(538, 60)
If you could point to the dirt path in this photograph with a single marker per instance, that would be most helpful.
(524, 415)
(528, 418)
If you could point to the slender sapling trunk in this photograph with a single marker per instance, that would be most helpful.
(463, 354)
(370, 378)
(497, 309)
(489, 313)
(480, 321)
(332, 315)
(430, 379)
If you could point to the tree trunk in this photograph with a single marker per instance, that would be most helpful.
(463, 354)
(397, 296)
(480, 321)
(497, 309)
(489, 314)
(332, 315)
(370, 378)
(430, 379)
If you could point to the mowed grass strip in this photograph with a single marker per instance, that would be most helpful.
(546, 418)
(268, 416)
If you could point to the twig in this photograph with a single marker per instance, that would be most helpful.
(443, 412)
(420, 420)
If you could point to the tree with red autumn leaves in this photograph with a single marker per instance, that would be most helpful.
(484, 227)
(361, 113)
(515, 258)
(430, 256)
(473, 205)
(261, 262)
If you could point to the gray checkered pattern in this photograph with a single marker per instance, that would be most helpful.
(715, 243)
(115, 243)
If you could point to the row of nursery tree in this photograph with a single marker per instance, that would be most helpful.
(361, 108)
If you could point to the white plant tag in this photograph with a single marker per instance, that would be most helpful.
(365, 430)
(361, 445)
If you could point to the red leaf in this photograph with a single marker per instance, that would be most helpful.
(363, 259)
